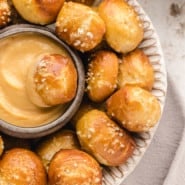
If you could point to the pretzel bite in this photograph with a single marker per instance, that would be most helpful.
(5, 13)
(136, 109)
(21, 167)
(69, 167)
(38, 11)
(1, 146)
(104, 139)
(52, 80)
(84, 107)
(48, 146)
(135, 69)
(80, 26)
(102, 75)
(124, 30)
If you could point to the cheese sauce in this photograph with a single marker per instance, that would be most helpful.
(17, 52)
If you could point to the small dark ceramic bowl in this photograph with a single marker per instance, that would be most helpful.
(45, 129)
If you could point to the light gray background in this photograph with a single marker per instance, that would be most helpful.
(168, 17)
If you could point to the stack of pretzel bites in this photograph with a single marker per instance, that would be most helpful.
(117, 102)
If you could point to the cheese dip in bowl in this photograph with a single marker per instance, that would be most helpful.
(34, 103)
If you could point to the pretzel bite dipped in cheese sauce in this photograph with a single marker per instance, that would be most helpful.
(134, 108)
(104, 139)
(136, 69)
(5, 13)
(80, 26)
(21, 167)
(102, 75)
(74, 167)
(38, 11)
(52, 80)
(37, 79)
(124, 29)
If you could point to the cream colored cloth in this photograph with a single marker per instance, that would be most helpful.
(164, 161)
(176, 175)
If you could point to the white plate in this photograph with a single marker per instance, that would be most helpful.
(152, 48)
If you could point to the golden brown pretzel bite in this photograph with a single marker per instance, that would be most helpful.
(102, 75)
(104, 139)
(20, 166)
(135, 69)
(5, 13)
(69, 167)
(80, 26)
(136, 109)
(38, 11)
(124, 30)
(50, 145)
(52, 80)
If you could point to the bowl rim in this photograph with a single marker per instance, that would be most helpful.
(48, 128)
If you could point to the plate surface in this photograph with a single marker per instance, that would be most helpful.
(152, 48)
